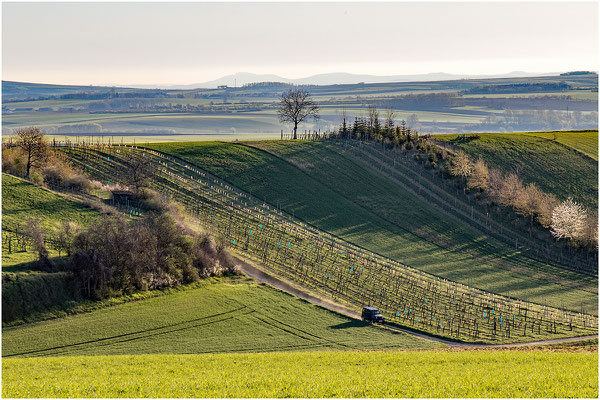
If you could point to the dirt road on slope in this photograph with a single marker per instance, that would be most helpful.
(251, 269)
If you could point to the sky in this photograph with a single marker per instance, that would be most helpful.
(186, 43)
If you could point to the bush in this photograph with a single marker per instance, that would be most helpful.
(117, 256)
(59, 175)
(78, 183)
(13, 162)
(36, 177)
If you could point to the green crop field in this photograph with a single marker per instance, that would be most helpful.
(585, 142)
(556, 167)
(332, 190)
(462, 374)
(222, 316)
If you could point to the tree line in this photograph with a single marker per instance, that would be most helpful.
(565, 220)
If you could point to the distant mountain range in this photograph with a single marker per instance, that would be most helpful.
(242, 78)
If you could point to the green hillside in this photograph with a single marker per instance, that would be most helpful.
(585, 142)
(461, 374)
(320, 183)
(22, 200)
(558, 167)
(226, 315)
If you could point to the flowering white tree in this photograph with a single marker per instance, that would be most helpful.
(569, 221)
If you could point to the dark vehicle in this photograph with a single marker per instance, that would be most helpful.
(371, 314)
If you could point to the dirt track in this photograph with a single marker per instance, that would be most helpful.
(271, 280)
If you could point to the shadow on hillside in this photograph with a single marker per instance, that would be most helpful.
(353, 323)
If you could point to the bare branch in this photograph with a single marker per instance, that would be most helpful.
(295, 106)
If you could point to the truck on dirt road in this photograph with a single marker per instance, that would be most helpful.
(372, 315)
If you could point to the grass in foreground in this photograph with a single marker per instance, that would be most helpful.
(506, 374)
(223, 315)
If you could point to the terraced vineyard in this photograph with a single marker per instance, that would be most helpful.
(329, 265)
(427, 186)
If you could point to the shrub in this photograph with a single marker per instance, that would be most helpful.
(59, 175)
(118, 256)
(36, 177)
(34, 231)
(13, 162)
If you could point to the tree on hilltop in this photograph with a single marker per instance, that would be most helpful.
(295, 106)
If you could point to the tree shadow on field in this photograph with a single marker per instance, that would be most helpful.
(353, 323)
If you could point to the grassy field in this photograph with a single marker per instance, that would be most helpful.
(22, 200)
(461, 374)
(563, 167)
(221, 316)
(585, 142)
(319, 183)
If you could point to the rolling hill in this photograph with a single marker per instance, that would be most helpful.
(329, 188)
(565, 167)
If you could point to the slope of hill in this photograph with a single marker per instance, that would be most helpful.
(557, 167)
(585, 142)
(22, 200)
(221, 316)
(24, 90)
(320, 184)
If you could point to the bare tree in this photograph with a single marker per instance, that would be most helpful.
(65, 238)
(413, 122)
(526, 199)
(390, 121)
(478, 179)
(494, 185)
(295, 106)
(545, 204)
(591, 231)
(31, 142)
(511, 187)
(373, 116)
(139, 170)
(34, 231)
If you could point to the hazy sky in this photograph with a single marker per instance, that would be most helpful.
(183, 43)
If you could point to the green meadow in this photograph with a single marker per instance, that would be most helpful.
(407, 374)
(227, 315)
(22, 200)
